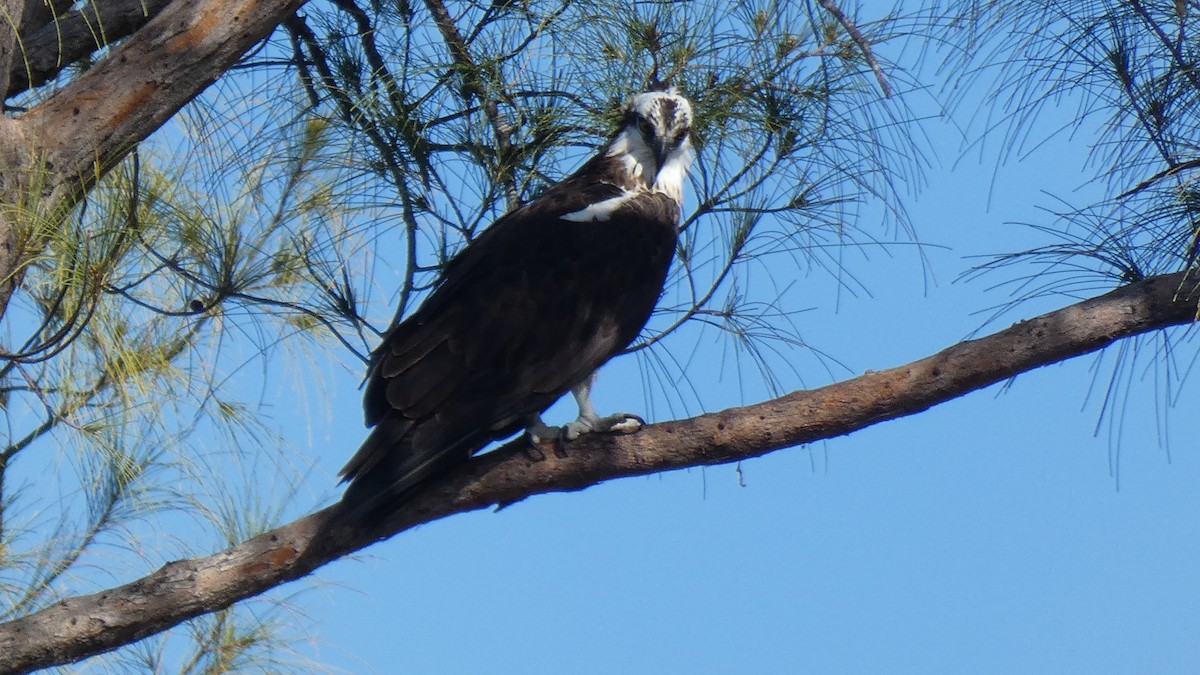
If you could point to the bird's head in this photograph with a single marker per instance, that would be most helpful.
(655, 140)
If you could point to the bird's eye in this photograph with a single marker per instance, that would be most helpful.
(643, 126)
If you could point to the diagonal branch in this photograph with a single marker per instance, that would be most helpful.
(58, 149)
(97, 118)
(863, 44)
(65, 39)
(78, 627)
(473, 86)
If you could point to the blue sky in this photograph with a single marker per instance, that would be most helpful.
(989, 534)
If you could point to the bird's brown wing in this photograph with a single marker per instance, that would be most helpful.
(526, 312)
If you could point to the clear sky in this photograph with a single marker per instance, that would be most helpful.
(1012, 530)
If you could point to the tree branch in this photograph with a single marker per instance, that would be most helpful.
(52, 154)
(863, 44)
(78, 627)
(473, 86)
(38, 13)
(97, 118)
(13, 154)
(12, 13)
(59, 41)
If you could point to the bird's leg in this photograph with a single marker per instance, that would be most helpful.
(588, 421)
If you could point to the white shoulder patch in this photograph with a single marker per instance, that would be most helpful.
(600, 211)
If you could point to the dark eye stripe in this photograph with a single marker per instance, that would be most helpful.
(668, 108)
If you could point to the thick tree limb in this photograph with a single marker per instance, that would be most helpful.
(52, 154)
(11, 17)
(13, 153)
(53, 41)
(78, 627)
(99, 117)
(38, 13)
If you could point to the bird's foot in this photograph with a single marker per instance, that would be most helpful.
(541, 433)
(617, 423)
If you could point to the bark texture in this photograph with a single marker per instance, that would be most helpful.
(96, 119)
(12, 13)
(52, 39)
(78, 627)
(55, 151)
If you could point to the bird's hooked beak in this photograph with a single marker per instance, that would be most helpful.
(662, 148)
(665, 147)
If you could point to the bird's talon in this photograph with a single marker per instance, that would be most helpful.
(627, 423)
(620, 423)
(560, 444)
(533, 451)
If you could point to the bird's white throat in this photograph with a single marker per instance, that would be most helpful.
(669, 180)
(640, 163)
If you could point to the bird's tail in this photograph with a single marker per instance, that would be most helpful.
(389, 468)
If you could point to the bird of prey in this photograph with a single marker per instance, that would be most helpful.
(527, 312)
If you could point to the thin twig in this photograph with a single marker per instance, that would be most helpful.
(862, 42)
(1169, 171)
(474, 87)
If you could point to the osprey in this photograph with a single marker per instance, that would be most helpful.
(528, 311)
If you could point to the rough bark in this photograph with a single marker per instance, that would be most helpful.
(53, 39)
(38, 13)
(14, 153)
(99, 117)
(11, 17)
(53, 153)
(78, 627)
